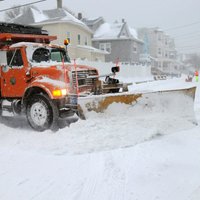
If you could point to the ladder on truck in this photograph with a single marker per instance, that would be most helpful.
(21, 29)
(13, 33)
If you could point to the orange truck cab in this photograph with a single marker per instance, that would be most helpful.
(37, 78)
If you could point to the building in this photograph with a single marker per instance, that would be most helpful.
(64, 25)
(161, 48)
(118, 39)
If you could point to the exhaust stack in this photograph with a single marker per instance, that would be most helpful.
(59, 3)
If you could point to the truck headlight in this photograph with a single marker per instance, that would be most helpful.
(64, 92)
(59, 93)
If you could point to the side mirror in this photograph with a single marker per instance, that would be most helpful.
(115, 69)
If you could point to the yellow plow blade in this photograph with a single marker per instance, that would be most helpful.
(101, 103)
(181, 100)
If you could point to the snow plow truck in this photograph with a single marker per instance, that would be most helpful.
(38, 79)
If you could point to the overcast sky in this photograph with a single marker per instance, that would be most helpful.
(166, 14)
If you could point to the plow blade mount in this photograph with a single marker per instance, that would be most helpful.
(178, 97)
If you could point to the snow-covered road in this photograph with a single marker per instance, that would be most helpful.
(164, 168)
(122, 154)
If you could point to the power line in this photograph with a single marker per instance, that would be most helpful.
(187, 39)
(28, 4)
(188, 49)
(183, 26)
(197, 32)
(190, 46)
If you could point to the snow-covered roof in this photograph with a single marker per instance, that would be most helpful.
(38, 15)
(91, 21)
(115, 31)
(109, 31)
(133, 32)
(29, 16)
(60, 15)
(23, 18)
(34, 16)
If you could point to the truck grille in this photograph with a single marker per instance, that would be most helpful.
(86, 78)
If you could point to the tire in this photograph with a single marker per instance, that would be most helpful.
(41, 113)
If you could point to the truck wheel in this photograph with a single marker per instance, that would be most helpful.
(41, 113)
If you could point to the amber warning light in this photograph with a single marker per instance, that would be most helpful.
(66, 42)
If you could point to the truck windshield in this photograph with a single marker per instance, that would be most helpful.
(50, 54)
(59, 55)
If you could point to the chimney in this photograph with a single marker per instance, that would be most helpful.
(59, 3)
(80, 16)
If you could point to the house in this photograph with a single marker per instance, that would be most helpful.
(161, 47)
(63, 24)
(118, 39)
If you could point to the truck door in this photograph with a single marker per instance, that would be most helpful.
(13, 75)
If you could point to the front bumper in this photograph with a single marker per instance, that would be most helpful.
(68, 106)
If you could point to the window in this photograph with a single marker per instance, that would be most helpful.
(41, 55)
(159, 37)
(159, 51)
(14, 58)
(54, 54)
(108, 47)
(172, 55)
(101, 46)
(86, 41)
(59, 55)
(105, 47)
(134, 48)
(79, 39)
